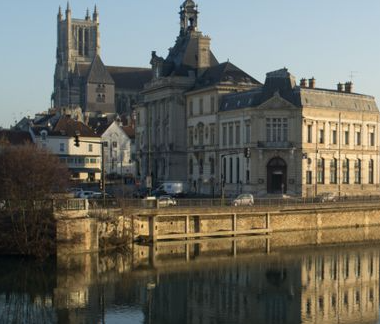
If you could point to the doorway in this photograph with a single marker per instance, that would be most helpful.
(277, 176)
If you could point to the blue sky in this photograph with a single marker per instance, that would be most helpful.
(326, 39)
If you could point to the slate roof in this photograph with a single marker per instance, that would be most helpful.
(65, 126)
(283, 83)
(132, 78)
(98, 72)
(224, 73)
(15, 137)
(183, 57)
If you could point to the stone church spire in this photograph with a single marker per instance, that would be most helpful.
(189, 17)
(59, 16)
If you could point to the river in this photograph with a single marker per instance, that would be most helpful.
(237, 280)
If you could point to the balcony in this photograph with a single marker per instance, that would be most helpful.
(275, 145)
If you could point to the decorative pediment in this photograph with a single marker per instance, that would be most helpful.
(277, 102)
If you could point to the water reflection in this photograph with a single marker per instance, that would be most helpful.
(223, 281)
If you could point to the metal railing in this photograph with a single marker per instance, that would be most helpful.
(215, 203)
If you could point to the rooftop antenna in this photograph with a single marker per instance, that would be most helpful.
(353, 75)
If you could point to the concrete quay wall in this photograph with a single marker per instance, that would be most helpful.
(173, 221)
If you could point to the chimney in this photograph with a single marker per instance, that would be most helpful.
(349, 86)
(312, 83)
(303, 83)
(340, 87)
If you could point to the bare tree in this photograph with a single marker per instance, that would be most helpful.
(29, 176)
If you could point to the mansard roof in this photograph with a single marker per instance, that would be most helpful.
(98, 72)
(224, 73)
(283, 84)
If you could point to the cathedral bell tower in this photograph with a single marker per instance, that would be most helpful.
(78, 43)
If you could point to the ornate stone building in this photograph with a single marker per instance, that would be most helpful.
(302, 140)
(189, 71)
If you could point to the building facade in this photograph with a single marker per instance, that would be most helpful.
(119, 144)
(302, 140)
(162, 130)
(58, 136)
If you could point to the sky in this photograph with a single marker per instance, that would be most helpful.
(331, 40)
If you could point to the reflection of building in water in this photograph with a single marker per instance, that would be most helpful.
(334, 287)
(76, 289)
(341, 287)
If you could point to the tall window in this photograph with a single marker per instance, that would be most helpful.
(237, 170)
(230, 134)
(346, 171)
(277, 129)
(309, 177)
(358, 171)
(201, 106)
(321, 139)
(231, 170)
(224, 135)
(200, 166)
(212, 165)
(309, 133)
(90, 148)
(237, 133)
(224, 170)
(200, 134)
(358, 138)
(372, 138)
(247, 133)
(247, 176)
(62, 147)
(321, 171)
(370, 171)
(212, 134)
(346, 137)
(191, 166)
(191, 136)
(212, 104)
(333, 137)
(333, 171)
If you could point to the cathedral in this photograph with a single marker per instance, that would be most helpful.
(82, 80)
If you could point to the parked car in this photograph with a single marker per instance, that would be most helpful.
(87, 194)
(244, 200)
(166, 201)
(328, 196)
